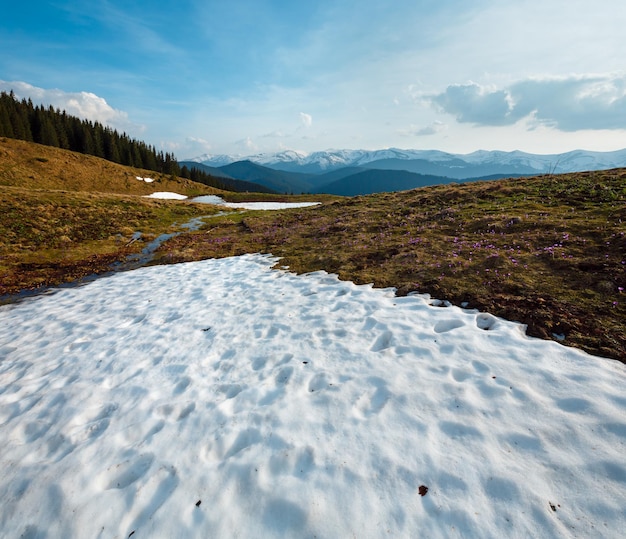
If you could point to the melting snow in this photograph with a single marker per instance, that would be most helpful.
(219, 201)
(225, 399)
(167, 195)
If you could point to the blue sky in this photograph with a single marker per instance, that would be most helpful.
(249, 76)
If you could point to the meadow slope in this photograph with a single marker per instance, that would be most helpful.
(548, 251)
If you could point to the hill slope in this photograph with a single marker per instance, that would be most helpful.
(226, 180)
(276, 180)
(367, 182)
(65, 215)
(33, 166)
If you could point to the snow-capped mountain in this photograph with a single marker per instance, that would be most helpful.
(452, 165)
(574, 161)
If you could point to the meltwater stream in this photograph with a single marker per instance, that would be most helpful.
(137, 260)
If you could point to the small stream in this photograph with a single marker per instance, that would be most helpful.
(137, 260)
(133, 261)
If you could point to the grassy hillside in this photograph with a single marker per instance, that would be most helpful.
(33, 166)
(65, 215)
(547, 251)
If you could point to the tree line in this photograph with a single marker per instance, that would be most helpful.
(52, 127)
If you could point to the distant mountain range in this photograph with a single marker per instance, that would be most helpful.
(349, 172)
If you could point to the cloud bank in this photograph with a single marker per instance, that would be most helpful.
(568, 103)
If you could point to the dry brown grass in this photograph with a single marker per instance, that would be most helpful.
(64, 215)
(33, 166)
(51, 237)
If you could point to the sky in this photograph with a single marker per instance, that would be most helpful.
(250, 76)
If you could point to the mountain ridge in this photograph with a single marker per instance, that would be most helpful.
(326, 161)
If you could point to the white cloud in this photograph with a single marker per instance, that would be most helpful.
(189, 148)
(199, 141)
(306, 119)
(247, 144)
(424, 131)
(475, 104)
(85, 105)
(275, 134)
(566, 103)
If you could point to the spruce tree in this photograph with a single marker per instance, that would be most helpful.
(6, 129)
(53, 127)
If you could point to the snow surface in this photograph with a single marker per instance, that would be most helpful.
(225, 399)
(147, 180)
(219, 201)
(166, 195)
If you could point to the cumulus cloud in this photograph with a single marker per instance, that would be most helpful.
(306, 119)
(85, 105)
(568, 103)
(247, 144)
(478, 105)
(414, 131)
(575, 103)
(197, 145)
(275, 134)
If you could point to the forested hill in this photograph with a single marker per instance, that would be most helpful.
(52, 127)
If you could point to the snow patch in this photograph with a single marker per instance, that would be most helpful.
(166, 195)
(214, 199)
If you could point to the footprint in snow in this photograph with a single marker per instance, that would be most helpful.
(176, 411)
(460, 375)
(145, 502)
(182, 385)
(124, 474)
(374, 400)
(444, 326)
(486, 321)
(382, 342)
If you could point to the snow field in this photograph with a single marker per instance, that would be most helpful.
(225, 399)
